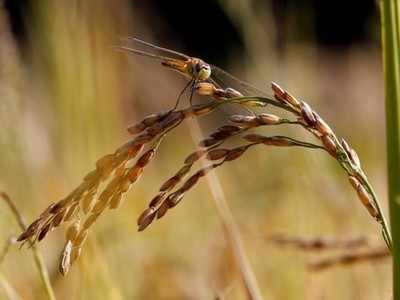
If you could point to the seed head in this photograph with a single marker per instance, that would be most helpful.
(172, 119)
(174, 198)
(277, 141)
(169, 184)
(154, 118)
(329, 145)
(217, 154)
(230, 128)
(364, 196)
(321, 126)
(144, 138)
(220, 135)
(307, 114)
(232, 93)
(65, 260)
(207, 142)
(116, 200)
(351, 153)
(72, 231)
(269, 119)
(279, 92)
(205, 89)
(134, 173)
(249, 121)
(235, 153)
(292, 100)
(44, 231)
(146, 218)
(195, 156)
(81, 238)
(190, 182)
(354, 157)
(71, 212)
(162, 210)
(103, 163)
(157, 200)
(90, 220)
(255, 138)
(145, 158)
(136, 128)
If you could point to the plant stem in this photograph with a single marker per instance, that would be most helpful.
(382, 220)
(231, 229)
(390, 30)
(44, 276)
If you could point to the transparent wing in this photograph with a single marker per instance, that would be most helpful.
(216, 84)
(225, 80)
(144, 53)
(165, 51)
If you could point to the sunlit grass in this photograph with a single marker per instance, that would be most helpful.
(390, 14)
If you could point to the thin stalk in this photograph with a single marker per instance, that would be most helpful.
(4, 251)
(390, 30)
(230, 227)
(44, 276)
(8, 289)
(382, 220)
(357, 171)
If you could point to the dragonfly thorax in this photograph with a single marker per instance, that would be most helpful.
(199, 69)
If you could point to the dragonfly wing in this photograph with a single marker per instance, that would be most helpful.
(143, 53)
(216, 84)
(225, 80)
(163, 50)
(177, 64)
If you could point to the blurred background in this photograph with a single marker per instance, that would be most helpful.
(66, 98)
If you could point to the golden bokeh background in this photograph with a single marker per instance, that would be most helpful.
(66, 98)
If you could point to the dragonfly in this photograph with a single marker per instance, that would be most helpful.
(196, 69)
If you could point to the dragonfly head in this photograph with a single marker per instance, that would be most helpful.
(201, 70)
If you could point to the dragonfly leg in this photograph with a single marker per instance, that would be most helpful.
(181, 93)
(192, 89)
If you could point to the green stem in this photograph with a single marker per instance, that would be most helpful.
(382, 220)
(390, 26)
(351, 170)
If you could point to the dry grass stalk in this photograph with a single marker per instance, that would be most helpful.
(351, 258)
(44, 276)
(231, 229)
(10, 241)
(320, 243)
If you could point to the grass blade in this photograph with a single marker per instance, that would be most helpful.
(390, 10)
(230, 227)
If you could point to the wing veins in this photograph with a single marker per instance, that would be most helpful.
(162, 49)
